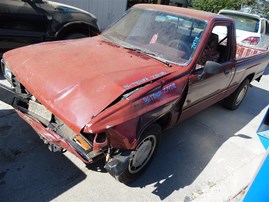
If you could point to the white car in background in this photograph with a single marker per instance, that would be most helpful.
(251, 29)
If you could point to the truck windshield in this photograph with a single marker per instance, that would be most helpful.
(164, 36)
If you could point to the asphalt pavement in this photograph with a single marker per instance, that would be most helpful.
(209, 157)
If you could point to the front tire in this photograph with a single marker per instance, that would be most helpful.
(233, 101)
(74, 36)
(142, 156)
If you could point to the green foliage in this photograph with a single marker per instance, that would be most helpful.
(216, 5)
(258, 6)
(248, 2)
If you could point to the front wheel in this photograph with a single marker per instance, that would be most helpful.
(143, 154)
(233, 101)
(74, 36)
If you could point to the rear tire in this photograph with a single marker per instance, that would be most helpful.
(141, 158)
(233, 101)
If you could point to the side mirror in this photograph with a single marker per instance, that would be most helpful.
(211, 68)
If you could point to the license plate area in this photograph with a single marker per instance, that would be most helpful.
(39, 112)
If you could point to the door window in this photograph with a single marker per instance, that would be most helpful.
(217, 48)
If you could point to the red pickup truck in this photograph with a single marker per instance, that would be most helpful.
(112, 95)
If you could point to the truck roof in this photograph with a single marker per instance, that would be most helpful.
(183, 11)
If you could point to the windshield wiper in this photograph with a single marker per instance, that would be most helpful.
(153, 55)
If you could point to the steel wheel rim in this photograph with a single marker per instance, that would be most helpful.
(241, 95)
(142, 154)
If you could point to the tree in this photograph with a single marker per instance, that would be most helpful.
(260, 7)
(216, 5)
(248, 2)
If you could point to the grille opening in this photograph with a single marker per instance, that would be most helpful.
(19, 87)
(23, 90)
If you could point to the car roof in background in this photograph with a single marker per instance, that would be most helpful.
(252, 15)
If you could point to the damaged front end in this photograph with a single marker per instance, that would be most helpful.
(53, 131)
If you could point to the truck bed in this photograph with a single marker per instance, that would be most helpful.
(245, 51)
(250, 61)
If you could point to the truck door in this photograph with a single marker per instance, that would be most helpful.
(22, 22)
(206, 89)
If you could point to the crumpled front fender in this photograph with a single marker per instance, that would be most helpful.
(127, 119)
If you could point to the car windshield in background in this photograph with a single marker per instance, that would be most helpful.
(164, 36)
(244, 23)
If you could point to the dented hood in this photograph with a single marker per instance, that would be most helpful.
(78, 79)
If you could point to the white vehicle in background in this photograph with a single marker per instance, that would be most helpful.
(251, 29)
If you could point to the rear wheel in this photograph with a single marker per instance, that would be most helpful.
(233, 101)
(143, 154)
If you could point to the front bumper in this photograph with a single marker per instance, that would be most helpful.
(50, 137)
(55, 141)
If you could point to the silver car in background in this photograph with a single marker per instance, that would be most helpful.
(251, 29)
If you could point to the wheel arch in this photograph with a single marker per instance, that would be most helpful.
(165, 120)
(250, 77)
(77, 27)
